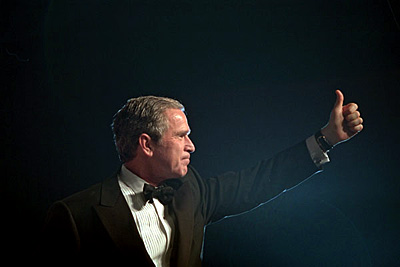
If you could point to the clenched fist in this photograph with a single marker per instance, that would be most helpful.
(344, 122)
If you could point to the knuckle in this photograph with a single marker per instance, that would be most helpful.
(353, 107)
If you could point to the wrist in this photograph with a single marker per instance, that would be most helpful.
(323, 141)
(330, 138)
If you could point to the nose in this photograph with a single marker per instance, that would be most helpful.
(189, 146)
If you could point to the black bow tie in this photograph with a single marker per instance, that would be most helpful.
(164, 192)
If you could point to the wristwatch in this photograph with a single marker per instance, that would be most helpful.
(322, 141)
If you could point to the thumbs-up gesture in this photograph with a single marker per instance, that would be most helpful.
(344, 122)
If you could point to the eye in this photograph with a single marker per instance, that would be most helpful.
(183, 135)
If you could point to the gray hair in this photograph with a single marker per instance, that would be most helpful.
(144, 114)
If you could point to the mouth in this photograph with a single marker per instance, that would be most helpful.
(186, 159)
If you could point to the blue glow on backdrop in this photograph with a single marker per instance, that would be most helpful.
(255, 77)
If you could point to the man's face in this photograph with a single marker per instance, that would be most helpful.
(172, 153)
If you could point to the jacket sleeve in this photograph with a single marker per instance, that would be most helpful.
(237, 192)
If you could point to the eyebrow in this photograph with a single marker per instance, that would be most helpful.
(184, 132)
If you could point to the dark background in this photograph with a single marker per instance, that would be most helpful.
(255, 77)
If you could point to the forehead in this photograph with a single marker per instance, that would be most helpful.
(176, 118)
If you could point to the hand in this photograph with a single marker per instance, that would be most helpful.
(344, 122)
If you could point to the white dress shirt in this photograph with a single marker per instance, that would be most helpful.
(317, 155)
(155, 225)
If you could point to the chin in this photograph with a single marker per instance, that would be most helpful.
(182, 172)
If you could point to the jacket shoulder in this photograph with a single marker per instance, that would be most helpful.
(90, 196)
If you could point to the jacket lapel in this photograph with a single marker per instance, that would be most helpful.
(116, 217)
(183, 210)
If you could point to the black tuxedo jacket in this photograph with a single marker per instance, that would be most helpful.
(97, 225)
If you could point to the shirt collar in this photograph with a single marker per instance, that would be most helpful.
(132, 180)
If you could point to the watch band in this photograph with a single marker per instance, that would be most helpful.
(322, 141)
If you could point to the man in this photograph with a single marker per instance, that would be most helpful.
(126, 219)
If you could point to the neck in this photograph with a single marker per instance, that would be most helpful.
(142, 169)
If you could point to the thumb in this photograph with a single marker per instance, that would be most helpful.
(339, 100)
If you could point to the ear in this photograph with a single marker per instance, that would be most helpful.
(146, 144)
